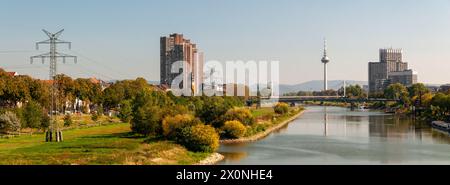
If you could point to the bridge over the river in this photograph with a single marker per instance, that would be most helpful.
(293, 99)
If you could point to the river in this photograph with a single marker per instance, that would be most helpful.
(336, 135)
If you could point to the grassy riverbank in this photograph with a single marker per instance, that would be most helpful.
(334, 104)
(107, 144)
(267, 122)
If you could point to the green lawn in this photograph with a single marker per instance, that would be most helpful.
(108, 144)
(264, 117)
(261, 112)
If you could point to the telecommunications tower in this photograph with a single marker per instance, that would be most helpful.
(325, 61)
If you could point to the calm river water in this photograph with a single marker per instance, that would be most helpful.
(336, 135)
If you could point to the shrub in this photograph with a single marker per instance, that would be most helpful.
(94, 117)
(68, 120)
(32, 115)
(173, 125)
(9, 123)
(240, 114)
(233, 130)
(146, 120)
(281, 108)
(199, 138)
(45, 121)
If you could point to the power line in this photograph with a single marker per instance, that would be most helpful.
(99, 63)
(94, 72)
(16, 51)
(53, 55)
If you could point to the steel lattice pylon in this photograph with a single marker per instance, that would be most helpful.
(53, 55)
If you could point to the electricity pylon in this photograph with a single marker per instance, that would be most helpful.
(53, 55)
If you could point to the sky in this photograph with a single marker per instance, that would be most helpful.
(119, 39)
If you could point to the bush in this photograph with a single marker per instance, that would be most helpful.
(94, 117)
(240, 114)
(172, 126)
(233, 130)
(199, 138)
(32, 115)
(9, 123)
(45, 124)
(68, 120)
(281, 108)
(146, 120)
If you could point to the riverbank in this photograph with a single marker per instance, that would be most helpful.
(265, 133)
(329, 104)
(338, 136)
(104, 145)
(212, 159)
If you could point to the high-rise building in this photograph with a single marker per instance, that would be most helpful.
(406, 77)
(176, 48)
(390, 69)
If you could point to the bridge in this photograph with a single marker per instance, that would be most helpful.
(293, 99)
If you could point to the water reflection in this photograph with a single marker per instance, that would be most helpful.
(325, 121)
(334, 135)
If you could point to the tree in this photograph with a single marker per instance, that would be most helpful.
(329, 92)
(86, 90)
(440, 105)
(148, 111)
(40, 92)
(65, 89)
(397, 91)
(32, 115)
(9, 123)
(354, 91)
(125, 112)
(15, 89)
(146, 120)
(123, 90)
(416, 92)
(212, 110)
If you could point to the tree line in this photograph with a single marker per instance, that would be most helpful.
(419, 100)
(194, 122)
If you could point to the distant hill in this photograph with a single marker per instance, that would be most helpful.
(153, 82)
(314, 85)
(317, 85)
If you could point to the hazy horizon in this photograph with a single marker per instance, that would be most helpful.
(120, 39)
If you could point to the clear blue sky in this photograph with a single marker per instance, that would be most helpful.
(120, 39)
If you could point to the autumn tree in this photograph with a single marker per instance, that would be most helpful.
(397, 91)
